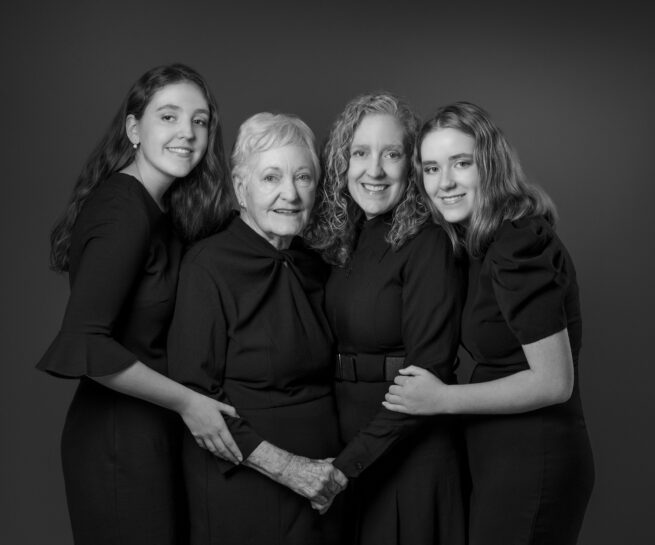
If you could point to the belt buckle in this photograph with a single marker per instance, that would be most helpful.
(346, 364)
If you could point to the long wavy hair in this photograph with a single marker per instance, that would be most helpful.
(504, 193)
(198, 204)
(333, 227)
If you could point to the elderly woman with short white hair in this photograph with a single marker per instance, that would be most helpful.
(249, 330)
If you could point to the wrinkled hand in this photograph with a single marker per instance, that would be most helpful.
(341, 480)
(416, 391)
(202, 415)
(317, 480)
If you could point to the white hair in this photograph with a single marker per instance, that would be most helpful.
(264, 131)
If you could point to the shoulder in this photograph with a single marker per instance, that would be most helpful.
(430, 238)
(209, 250)
(116, 206)
(119, 196)
(523, 239)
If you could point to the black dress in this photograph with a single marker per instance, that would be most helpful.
(532, 473)
(249, 330)
(405, 483)
(119, 454)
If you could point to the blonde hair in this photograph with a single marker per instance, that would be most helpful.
(332, 230)
(504, 194)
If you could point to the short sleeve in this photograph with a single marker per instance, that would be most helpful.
(114, 233)
(197, 346)
(530, 278)
(432, 298)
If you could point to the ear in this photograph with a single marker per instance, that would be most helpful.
(240, 189)
(132, 129)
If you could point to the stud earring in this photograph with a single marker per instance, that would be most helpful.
(135, 145)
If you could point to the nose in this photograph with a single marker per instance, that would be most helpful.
(185, 129)
(446, 182)
(374, 167)
(288, 190)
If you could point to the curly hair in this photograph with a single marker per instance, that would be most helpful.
(504, 194)
(333, 227)
(198, 204)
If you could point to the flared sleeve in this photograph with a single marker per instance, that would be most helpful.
(530, 278)
(197, 346)
(432, 298)
(113, 233)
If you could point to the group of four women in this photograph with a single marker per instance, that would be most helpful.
(303, 318)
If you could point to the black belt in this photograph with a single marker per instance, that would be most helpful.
(368, 367)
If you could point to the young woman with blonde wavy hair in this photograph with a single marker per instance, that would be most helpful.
(529, 455)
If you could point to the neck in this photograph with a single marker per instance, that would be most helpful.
(278, 242)
(155, 185)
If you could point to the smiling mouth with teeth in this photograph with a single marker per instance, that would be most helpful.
(375, 188)
(451, 199)
(180, 151)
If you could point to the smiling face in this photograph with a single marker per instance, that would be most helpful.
(450, 175)
(377, 170)
(171, 134)
(277, 193)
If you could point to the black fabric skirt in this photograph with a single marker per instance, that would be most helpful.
(411, 495)
(531, 475)
(242, 506)
(122, 470)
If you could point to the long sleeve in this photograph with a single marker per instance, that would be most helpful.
(431, 309)
(197, 346)
(114, 234)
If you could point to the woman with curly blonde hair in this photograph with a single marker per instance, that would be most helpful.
(393, 298)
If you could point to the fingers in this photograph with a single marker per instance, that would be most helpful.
(396, 408)
(411, 370)
(341, 479)
(322, 509)
(221, 445)
(227, 409)
(401, 381)
(393, 398)
(228, 442)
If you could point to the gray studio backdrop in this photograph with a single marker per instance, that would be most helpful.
(572, 87)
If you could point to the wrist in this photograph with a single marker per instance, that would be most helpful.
(447, 400)
(184, 401)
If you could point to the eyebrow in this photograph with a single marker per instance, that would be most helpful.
(451, 158)
(178, 108)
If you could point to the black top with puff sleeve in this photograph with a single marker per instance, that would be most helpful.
(522, 290)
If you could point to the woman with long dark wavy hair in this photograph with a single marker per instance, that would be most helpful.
(156, 180)
(393, 298)
(529, 455)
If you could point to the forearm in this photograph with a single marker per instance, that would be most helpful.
(316, 480)
(269, 460)
(139, 380)
(520, 392)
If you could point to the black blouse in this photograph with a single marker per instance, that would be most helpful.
(124, 261)
(249, 327)
(405, 302)
(522, 290)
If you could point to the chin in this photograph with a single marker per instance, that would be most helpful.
(454, 216)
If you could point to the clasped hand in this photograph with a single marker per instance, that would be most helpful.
(317, 480)
(203, 417)
(417, 391)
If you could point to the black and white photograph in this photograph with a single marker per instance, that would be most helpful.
(346, 273)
